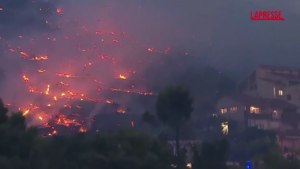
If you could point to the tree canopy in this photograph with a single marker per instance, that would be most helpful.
(22, 148)
(212, 155)
(174, 106)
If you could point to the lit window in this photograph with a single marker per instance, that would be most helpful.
(233, 109)
(280, 92)
(275, 113)
(223, 110)
(224, 126)
(254, 110)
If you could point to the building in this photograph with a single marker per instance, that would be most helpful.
(269, 98)
(242, 107)
(276, 82)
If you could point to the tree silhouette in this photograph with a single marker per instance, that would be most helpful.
(3, 112)
(212, 155)
(174, 106)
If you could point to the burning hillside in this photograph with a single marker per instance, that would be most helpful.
(78, 63)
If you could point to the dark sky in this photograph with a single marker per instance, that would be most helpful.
(224, 34)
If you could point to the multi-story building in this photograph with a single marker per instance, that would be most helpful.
(265, 113)
(276, 82)
(269, 98)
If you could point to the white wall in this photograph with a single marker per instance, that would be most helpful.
(268, 124)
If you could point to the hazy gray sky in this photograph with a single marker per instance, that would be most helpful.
(224, 34)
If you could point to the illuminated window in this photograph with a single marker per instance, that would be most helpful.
(254, 110)
(223, 110)
(280, 92)
(224, 126)
(275, 114)
(233, 109)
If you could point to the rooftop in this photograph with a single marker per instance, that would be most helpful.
(275, 67)
(277, 82)
(295, 77)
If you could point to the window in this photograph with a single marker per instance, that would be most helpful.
(288, 97)
(280, 92)
(249, 122)
(275, 113)
(223, 110)
(254, 110)
(224, 126)
(233, 109)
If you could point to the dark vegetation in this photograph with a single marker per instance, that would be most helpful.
(21, 147)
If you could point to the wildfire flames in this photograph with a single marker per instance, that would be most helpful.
(59, 90)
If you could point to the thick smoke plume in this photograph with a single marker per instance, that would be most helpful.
(64, 56)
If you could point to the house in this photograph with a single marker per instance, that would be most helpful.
(243, 107)
(268, 122)
(269, 98)
(266, 114)
(277, 82)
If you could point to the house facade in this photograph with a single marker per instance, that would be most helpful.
(244, 107)
(269, 98)
(276, 82)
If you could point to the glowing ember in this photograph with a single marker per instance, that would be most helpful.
(23, 54)
(25, 78)
(50, 85)
(39, 58)
(120, 111)
(121, 76)
(25, 112)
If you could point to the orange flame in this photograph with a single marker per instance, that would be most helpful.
(121, 76)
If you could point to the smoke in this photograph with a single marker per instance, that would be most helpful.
(25, 16)
(99, 40)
